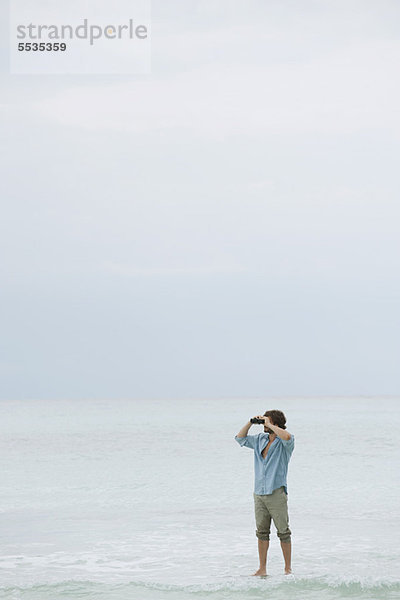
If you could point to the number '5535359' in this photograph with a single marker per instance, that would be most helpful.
(41, 47)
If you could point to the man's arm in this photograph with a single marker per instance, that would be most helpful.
(245, 430)
(244, 439)
(282, 433)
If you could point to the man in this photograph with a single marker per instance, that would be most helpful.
(272, 452)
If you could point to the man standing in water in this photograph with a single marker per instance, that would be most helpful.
(272, 452)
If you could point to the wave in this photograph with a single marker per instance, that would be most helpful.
(309, 588)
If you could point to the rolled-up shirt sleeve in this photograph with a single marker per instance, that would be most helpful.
(289, 444)
(249, 441)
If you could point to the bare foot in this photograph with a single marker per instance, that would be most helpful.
(261, 573)
(288, 571)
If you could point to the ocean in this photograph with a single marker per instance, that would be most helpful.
(153, 500)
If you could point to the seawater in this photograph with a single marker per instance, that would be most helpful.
(153, 500)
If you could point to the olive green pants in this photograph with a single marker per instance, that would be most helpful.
(272, 506)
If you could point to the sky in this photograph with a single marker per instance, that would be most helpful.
(226, 226)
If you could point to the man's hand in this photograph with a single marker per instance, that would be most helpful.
(266, 420)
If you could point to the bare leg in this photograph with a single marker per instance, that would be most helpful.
(287, 555)
(262, 553)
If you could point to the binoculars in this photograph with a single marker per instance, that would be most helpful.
(255, 420)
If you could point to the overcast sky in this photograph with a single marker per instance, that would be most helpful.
(226, 226)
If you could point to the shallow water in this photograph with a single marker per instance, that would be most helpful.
(152, 500)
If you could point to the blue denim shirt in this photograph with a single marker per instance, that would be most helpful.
(270, 473)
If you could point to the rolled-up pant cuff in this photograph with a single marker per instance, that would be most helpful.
(285, 538)
(263, 536)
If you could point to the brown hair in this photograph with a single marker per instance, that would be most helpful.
(277, 417)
